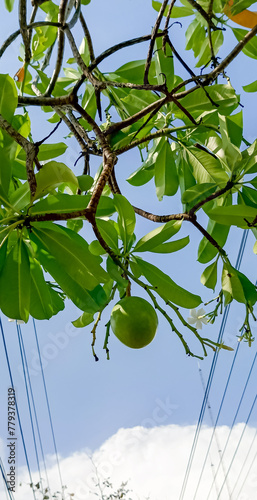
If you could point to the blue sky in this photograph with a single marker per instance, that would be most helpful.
(91, 401)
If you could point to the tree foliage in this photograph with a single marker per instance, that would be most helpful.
(190, 136)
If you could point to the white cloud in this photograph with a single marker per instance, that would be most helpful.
(153, 461)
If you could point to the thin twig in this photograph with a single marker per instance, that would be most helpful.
(152, 42)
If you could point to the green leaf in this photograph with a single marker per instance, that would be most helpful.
(86, 300)
(85, 182)
(109, 233)
(198, 192)
(236, 215)
(250, 49)
(206, 168)
(231, 285)
(115, 273)
(15, 283)
(172, 246)
(249, 289)
(133, 72)
(84, 320)
(41, 304)
(206, 250)
(209, 276)
(52, 175)
(166, 177)
(197, 102)
(126, 219)
(205, 53)
(146, 170)
(8, 97)
(72, 253)
(251, 87)
(60, 203)
(157, 236)
(166, 287)
(176, 11)
(164, 64)
(9, 5)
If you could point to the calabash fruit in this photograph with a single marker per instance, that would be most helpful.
(134, 322)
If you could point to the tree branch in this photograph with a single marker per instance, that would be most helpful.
(153, 37)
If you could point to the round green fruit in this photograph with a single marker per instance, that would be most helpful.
(134, 322)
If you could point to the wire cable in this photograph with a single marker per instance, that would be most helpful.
(18, 414)
(216, 422)
(211, 374)
(248, 471)
(245, 460)
(7, 491)
(238, 444)
(35, 415)
(235, 417)
(28, 400)
(48, 408)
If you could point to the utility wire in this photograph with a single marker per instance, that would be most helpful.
(48, 408)
(215, 425)
(18, 414)
(8, 492)
(211, 374)
(35, 414)
(238, 444)
(235, 417)
(245, 460)
(28, 400)
(249, 469)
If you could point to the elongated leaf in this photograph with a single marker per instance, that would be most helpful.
(176, 11)
(166, 177)
(164, 64)
(109, 233)
(209, 276)
(15, 283)
(84, 320)
(41, 303)
(126, 218)
(231, 285)
(84, 299)
(172, 246)
(198, 192)
(8, 97)
(205, 167)
(236, 215)
(47, 151)
(250, 49)
(115, 273)
(71, 251)
(52, 175)
(206, 250)
(157, 236)
(167, 288)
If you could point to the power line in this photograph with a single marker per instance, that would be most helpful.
(35, 414)
(8, 492)
(245, 460)
(18, 414)
(48, 408)
(238, 444)
(235, 417)
(250, 467)
(214, 429)
(211, 374)
(28, 400)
